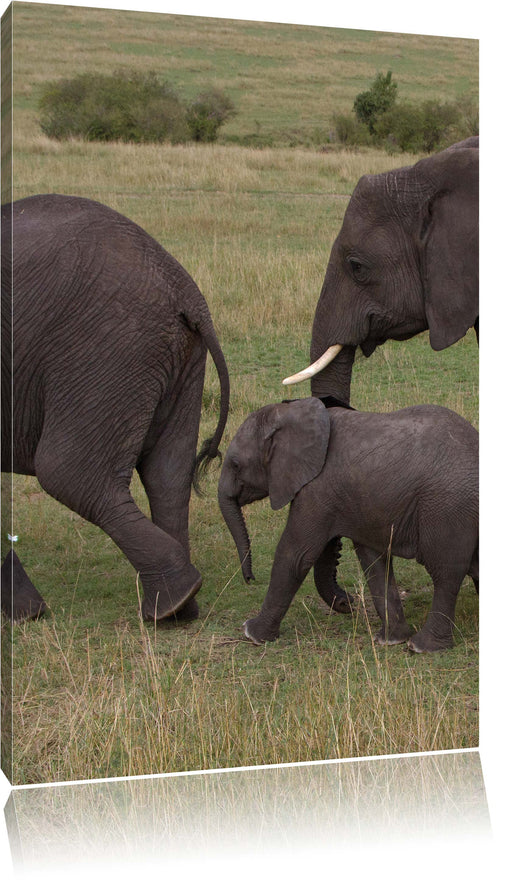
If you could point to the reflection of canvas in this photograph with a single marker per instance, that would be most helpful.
(285, 812)
(97, 691)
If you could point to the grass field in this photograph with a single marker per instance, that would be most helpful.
(97, 692)
(286, 81)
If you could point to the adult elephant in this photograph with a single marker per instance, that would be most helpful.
(110, 339)
(405, 260)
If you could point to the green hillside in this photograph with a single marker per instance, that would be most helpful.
(285, 80)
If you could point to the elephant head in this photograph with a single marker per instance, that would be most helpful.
(275, 452)
(405, 260)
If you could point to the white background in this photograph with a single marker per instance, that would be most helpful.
(489, 23)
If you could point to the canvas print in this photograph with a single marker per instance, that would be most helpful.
(239, 393)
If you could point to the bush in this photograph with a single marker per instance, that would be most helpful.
(123, 106)
(208, 113)
(468, 116)
(400, 128)
(420, 128)
(379, 98)
(350, 131)
(414, 128)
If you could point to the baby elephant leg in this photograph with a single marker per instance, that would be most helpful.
(437, 633)
(290, 568)
(381, 580)
(336, 598)
(450, 557)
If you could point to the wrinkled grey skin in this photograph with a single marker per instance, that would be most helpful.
(405, 260)
(404, 483)
(110, 340)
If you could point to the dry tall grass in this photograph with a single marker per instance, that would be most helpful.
(155, 706)
(145, 169)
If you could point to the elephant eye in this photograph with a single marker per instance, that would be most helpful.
(358, 270)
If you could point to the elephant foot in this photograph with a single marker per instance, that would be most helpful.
(168, 594)
(188, 612)
(342, 603)
(20, 598)
(426, 642)
(325, 571)
(258, 632)
(387, 637)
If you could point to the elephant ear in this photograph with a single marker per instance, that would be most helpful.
(295, 447)
(449, 246)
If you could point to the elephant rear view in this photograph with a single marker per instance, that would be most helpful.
(110, 336)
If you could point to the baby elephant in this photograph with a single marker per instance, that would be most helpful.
(404, 483)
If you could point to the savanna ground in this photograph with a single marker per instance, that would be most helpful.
(95, 691)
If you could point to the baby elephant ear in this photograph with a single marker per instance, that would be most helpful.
(296, 443)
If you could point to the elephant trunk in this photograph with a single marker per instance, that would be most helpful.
(234, 518)
(336, 378)
(328, 329)
(333, 347)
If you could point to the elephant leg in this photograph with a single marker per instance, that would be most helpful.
(168, 579)
(381, 580)
(167, 465)
(284, 583)
(474, 568)
(325, 568)
(437, 633)
(292, 562)
(20, 598)
(166, 476)
(87, 464)
(449, 553)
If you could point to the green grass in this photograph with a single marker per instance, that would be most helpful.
(98, 693)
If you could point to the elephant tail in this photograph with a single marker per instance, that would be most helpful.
(210, 448)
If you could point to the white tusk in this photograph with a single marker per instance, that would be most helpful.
(316, 367)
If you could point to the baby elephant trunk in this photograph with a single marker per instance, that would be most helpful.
(234, 518)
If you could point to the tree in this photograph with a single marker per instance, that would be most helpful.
(370, 105)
